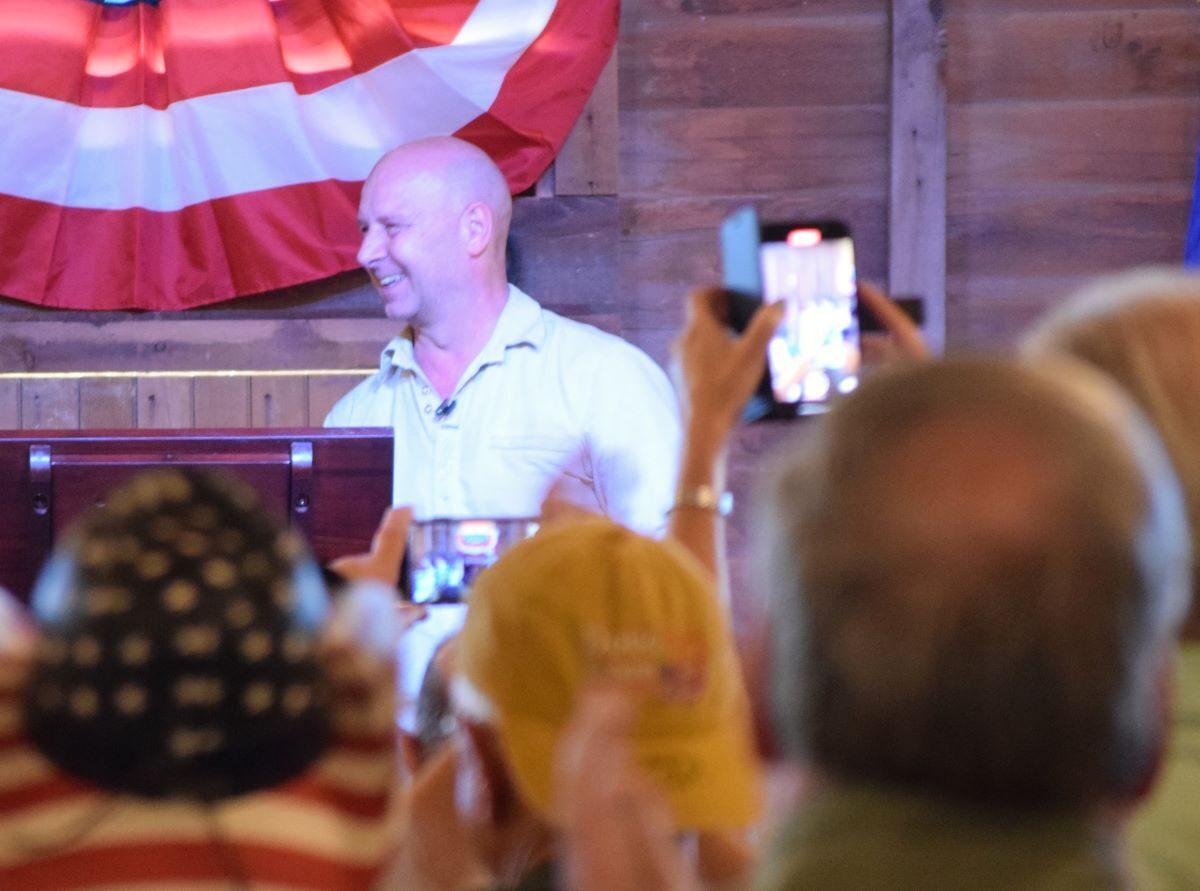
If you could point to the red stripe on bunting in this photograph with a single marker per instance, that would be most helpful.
(119, 57)
(140, 259)
(151, 863)
(555, 76)
(245, 244)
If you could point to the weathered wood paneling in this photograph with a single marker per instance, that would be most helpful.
(587, 163)
(10, 405)
(1073, 131)
(1088, 54)
(164, 403)
(917, 199)
(323, 391)
(763, 60)
(278, 402)
(195, 344)
(994, 311)
(1030, 144)
(107, 404)
(685, 152)
(221, 402)
(50, 404)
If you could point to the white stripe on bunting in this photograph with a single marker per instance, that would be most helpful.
(261, 137)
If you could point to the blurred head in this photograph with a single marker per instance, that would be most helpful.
(176, 644)
(435, 717)
(1142, 329)
(434, 214)
(591, 601)
(977, 570)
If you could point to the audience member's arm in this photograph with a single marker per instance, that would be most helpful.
(382, 562)
(16, 651)
(617, 829)
(719, 374)
(361, 637)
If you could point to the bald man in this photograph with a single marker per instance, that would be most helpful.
(492, 397)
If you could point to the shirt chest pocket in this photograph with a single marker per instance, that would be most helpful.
(536, 442)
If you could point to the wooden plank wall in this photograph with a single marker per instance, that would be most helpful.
(729, 102)
(1073, 128)
(171, 401)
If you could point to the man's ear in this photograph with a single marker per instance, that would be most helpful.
(478, 227)
(484, 790)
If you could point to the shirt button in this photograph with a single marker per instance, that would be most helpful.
(424, 391)
(428, 409)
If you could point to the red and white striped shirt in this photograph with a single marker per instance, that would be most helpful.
(335, 826)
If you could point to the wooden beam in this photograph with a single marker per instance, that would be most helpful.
(917, 210)
(587, 164)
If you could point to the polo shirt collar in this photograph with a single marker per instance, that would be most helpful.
(520, 324)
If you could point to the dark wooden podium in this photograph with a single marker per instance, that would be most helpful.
(331, 485)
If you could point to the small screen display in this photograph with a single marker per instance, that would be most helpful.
(815, 353)
(445, 556)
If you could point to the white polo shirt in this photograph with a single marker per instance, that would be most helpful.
(546, 396)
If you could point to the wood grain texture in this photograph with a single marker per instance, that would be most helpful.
(1085, 54)
(649, 12)
(994, 312)
(587, 163)
(323, 391)
(278, 402)
(50, 404)
(221, 402)
(917, 200)
(107, 404)
(766, 60)
(164, 403)
(1002, 6)
(1027, 144)
(193, 344)
(1065, 231)
(564, 253)
(682, 152)
(10, 405)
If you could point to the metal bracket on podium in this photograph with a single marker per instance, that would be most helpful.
(301, 484)
(41, 528)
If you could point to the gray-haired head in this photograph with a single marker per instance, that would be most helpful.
(1142, 329)
(975, 571)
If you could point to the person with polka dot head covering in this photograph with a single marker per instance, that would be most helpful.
(177, 654)
(193, 707)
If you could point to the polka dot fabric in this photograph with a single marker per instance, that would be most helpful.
(177, 653)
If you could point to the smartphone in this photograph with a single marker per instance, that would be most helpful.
(809, 265)
(444, 556)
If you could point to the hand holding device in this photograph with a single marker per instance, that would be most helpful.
(809, 266)
(445, 555)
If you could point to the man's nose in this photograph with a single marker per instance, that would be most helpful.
(370, 249)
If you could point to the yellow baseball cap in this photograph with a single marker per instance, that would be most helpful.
(591, 600)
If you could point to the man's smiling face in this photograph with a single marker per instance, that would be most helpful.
(410, 239)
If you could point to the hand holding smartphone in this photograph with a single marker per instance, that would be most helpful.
(809, 265)
(444, 556)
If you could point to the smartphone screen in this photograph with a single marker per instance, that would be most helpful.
(810, 266)
(815, 353)
(445, 556)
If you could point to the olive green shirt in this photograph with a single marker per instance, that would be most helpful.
(865, 838)
(1166, 834)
